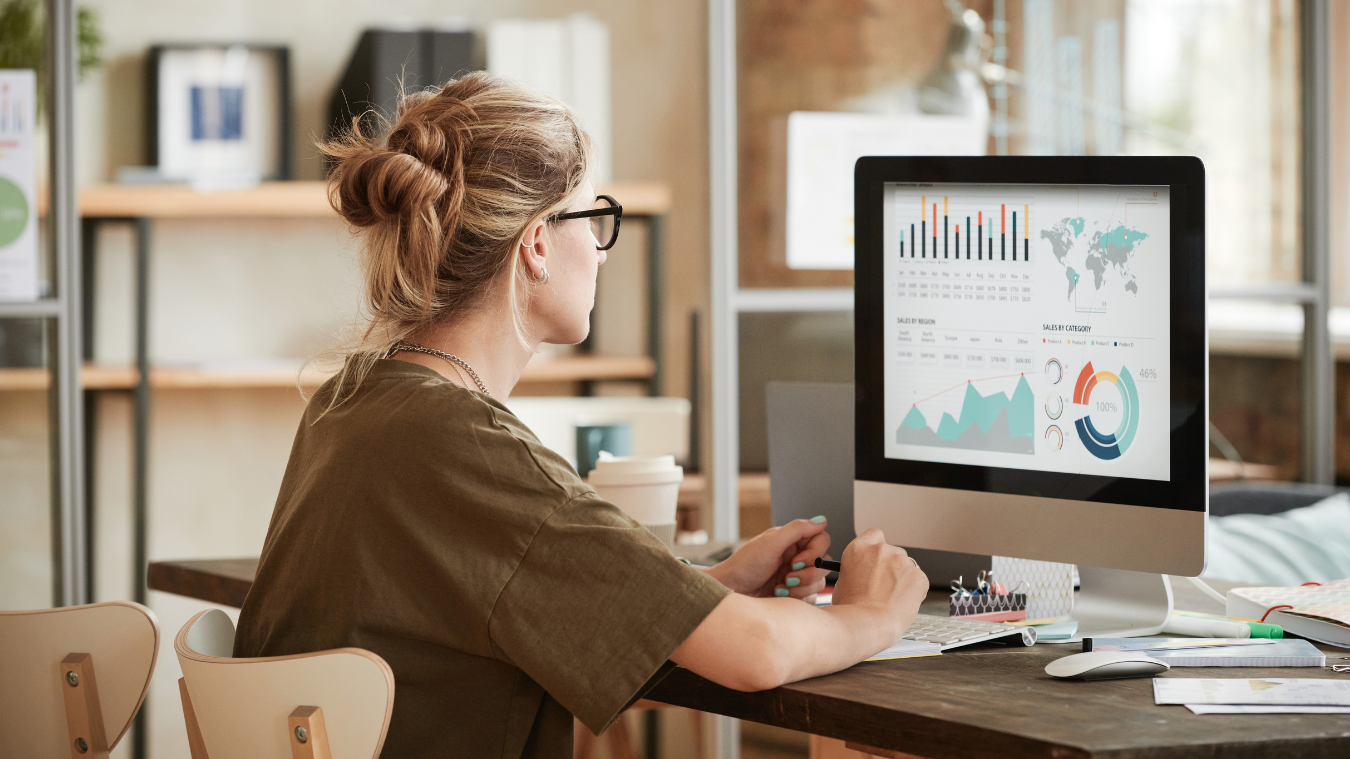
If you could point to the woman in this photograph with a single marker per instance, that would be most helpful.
(419, 519)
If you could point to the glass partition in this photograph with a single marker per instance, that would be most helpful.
(1218, 79)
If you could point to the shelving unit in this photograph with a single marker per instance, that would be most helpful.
(285, 200)
(139, 204)
(97, 377)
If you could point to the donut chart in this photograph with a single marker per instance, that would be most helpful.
(1107, 445)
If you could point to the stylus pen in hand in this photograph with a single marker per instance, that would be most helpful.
(832, 566)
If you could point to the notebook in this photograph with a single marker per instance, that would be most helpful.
(1266, 690)
(1278, 653)
(908, 649)
(1320, 612)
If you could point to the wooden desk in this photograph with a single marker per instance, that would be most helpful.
(981, 701)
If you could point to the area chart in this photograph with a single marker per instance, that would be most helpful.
(993, 422)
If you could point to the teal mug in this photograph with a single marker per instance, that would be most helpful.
(615, 438)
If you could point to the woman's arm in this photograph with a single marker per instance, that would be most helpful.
(752, 644)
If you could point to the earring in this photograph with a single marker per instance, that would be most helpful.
(523, 245)
(541, 279)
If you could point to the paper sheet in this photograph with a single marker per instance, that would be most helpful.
(1290, 691)
(821, 151)
(1265, 709)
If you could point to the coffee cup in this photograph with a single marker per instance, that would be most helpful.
(646, 488)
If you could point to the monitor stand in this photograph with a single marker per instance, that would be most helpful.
(1114, 603)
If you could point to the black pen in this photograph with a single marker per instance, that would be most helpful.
(833, 566)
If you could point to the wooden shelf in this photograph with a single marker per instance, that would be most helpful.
(97, 377)
(284, 199)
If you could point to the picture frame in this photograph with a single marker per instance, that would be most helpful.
(219, 113)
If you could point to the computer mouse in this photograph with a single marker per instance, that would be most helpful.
(1105, 665)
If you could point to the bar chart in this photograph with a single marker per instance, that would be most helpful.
(996, 229)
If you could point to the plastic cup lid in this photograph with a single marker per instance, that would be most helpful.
(635, 470)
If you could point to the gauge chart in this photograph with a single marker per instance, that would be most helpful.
(1054, 371)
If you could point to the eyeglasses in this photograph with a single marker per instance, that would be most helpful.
(604, 220)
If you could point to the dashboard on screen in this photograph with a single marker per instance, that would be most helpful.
(1026, 327)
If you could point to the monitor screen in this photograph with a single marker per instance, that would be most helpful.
(1031, 373)
(1026, 327)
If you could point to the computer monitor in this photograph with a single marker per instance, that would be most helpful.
(1031, 358)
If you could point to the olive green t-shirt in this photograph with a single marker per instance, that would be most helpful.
(426, 523)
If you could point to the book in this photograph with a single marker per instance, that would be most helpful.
(1272, 653)
(1160, 644)
(1319, 612)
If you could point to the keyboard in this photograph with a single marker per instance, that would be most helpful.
(953, 632)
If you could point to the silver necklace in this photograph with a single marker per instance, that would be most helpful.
(456, 360)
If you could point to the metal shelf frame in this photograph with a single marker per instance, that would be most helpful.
(70, 516)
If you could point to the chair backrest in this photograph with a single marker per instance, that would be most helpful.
(241, 706)
(122, 641)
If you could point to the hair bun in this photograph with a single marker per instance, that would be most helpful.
(378, 184)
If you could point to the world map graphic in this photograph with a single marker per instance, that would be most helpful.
(1095, 248)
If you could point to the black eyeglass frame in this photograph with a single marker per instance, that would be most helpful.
(614, 210)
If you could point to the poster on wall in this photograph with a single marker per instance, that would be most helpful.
(18, 207)
(822, 148)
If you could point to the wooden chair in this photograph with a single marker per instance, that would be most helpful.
(71, 677)
(308, 706)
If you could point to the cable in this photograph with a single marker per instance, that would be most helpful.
(1212, 593)
(1229, 451)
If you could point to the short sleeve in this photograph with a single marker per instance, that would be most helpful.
(596, 607)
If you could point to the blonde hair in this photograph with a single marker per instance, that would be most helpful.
(443, 202)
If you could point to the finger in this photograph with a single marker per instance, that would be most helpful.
(809, 587)
(798, 591)
(800, 531)
(805, 576)
(815, 548)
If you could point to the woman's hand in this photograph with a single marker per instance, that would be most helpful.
(883, 578)
(778, 562)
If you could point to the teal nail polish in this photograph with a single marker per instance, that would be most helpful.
(817, 520)
(780, 592)
(799, 566)
(793, 582)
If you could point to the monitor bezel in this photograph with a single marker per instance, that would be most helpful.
(1185, 176)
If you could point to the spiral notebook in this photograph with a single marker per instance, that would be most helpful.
(1293, 652)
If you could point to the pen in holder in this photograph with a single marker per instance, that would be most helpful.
(989, 601)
